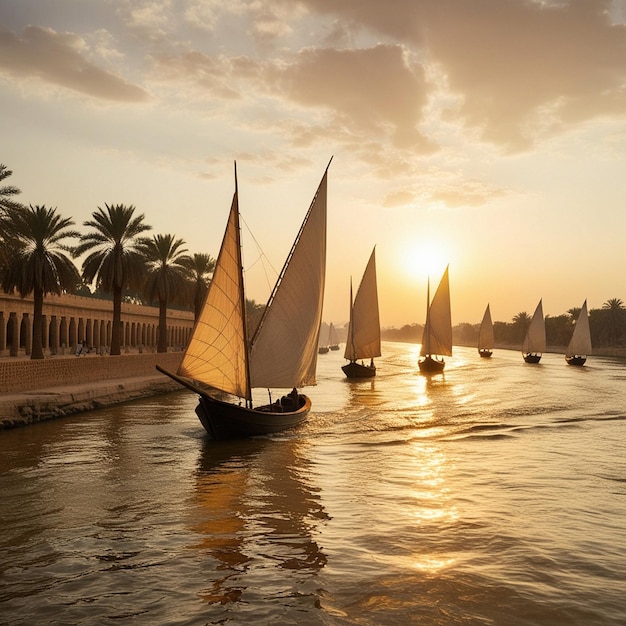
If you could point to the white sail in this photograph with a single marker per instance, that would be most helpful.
(332, 335)
(485, 333)
(580, 343)
(216, 354)
(364, 328)
(535, 340)
(284, 351)
(437, 336)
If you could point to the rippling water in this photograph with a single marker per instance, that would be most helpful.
(494, 494)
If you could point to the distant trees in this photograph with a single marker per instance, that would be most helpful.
(607, 325)
(559, 329)
(614, 320)
(521, 322)
(254, 312)
(411, 333)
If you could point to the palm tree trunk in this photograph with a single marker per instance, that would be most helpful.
(116, 331)
(37, 349)
(162, 343)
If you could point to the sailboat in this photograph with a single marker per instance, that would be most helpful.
(437, 336)
(535, 340)
(333, 343)
(485, 335)
(580, 343)
(363, 340)
(219, 363)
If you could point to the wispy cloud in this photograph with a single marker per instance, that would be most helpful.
(59, 59)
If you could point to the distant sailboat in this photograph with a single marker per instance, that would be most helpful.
(535, 341)
(437, 336)
(580, 344)
(333, 343)
(363, 341)
(283, 350)
(322, 349)
(485, 335)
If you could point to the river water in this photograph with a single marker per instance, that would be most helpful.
(492, 494)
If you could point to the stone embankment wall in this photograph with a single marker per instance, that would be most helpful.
(36, 390)
(26, 374)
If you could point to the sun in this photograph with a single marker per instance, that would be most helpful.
(424, 259)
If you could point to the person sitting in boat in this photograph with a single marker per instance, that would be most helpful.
(293, 399)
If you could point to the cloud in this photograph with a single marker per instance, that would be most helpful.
(371, 91)
(523, 69)
(204, 75)
(59, 59)
(353, 94)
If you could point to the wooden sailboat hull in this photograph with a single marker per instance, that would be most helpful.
(485, 352)
(575, 360)
(223, 420)
(356, 370)
(532, 357)
(428, 365)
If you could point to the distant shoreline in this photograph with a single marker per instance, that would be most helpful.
(618, 352)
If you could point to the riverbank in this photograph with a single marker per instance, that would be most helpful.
(33, 391)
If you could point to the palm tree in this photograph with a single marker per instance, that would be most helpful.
(7, 191)
(38, 264)
(115, 261)
(615, 309)
(165, 265)
(573, 313)
(521, 322)
(7, 205)
(200, 267)
(254, 312)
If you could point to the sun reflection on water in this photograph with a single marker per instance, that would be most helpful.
(431, 501)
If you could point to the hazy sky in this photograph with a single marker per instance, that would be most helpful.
(487, 134)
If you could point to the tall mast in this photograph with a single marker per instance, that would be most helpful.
(428, 317)
(352, 322)
(242, 291)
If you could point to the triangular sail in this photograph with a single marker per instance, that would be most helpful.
(485, 333)
(364, 329)
(216, 354)
(284, 350)
(332, 335)
(437, 336)
(535, 340)
(580, 343)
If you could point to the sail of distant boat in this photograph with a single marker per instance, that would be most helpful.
(283, 351)
(579, 346)
(333, 342)
(437, 335)
(485, 335)
(363, 340)
(535, 340)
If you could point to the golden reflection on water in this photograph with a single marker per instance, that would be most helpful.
(255, 510)
(431, 500)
